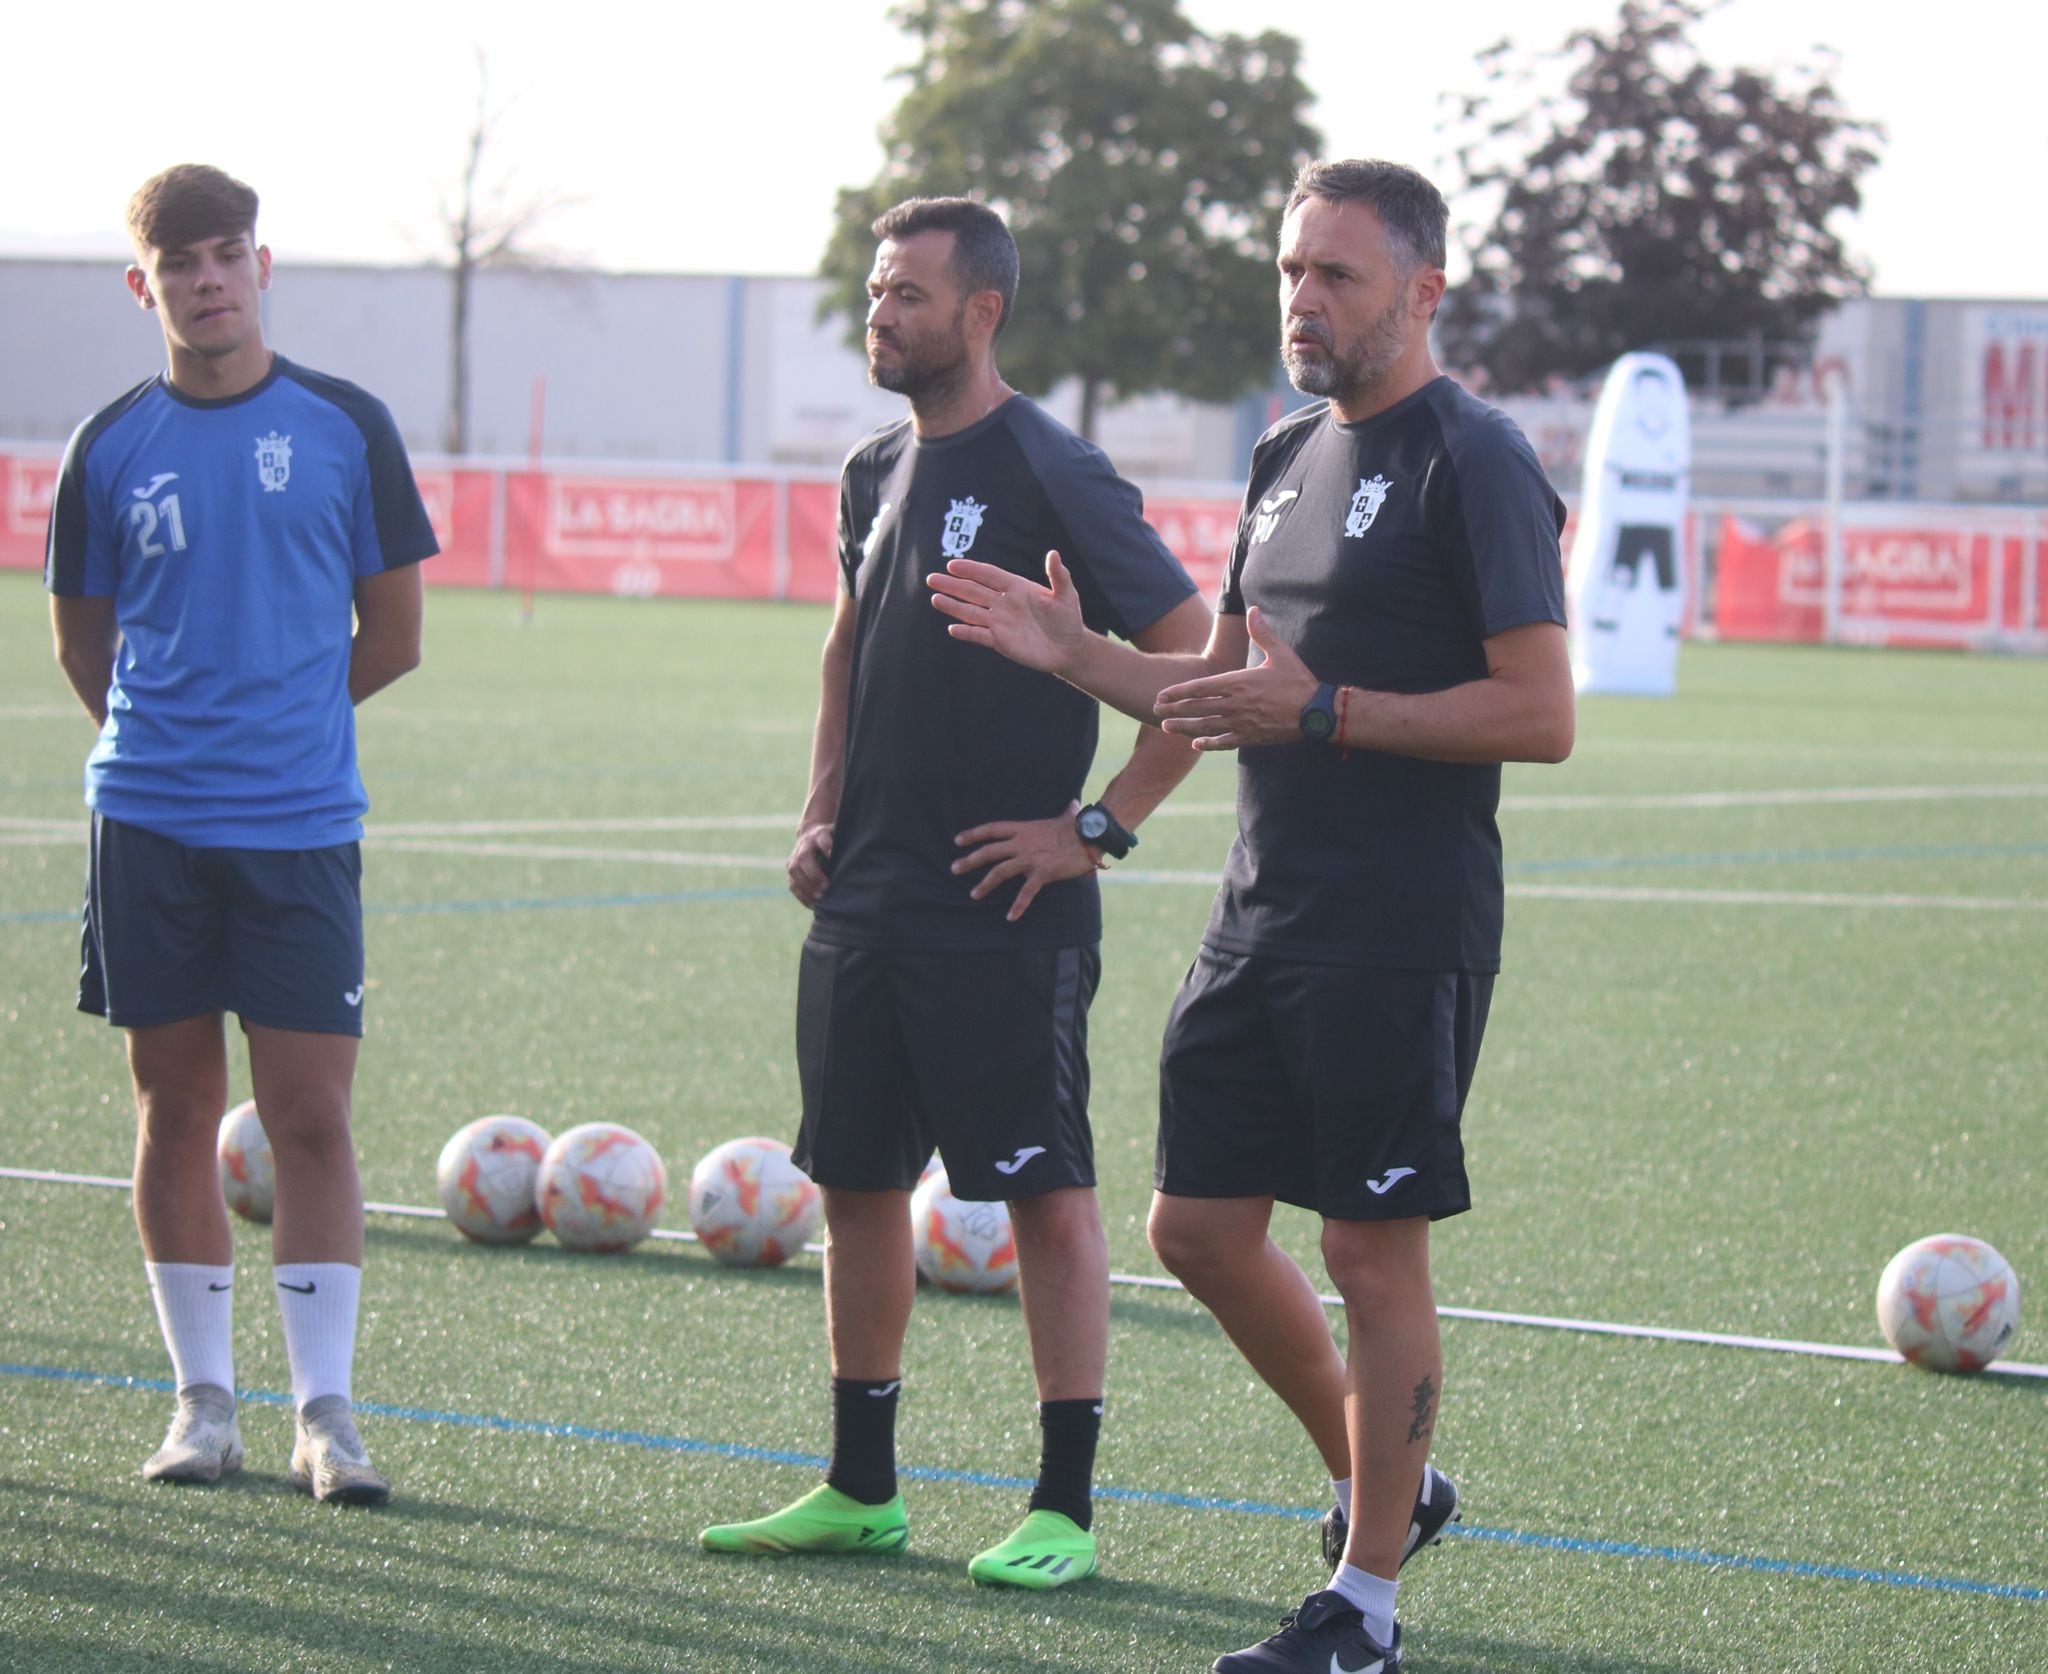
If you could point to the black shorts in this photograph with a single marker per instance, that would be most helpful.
(171, 932)
(983, 1056)
(1337, 1088)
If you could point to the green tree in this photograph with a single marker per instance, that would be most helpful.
(1142, 166)
(1646, 197)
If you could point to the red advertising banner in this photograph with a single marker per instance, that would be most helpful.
(642, 537)
(1899, 585)
(26, 483)
(813, 541)
(1200, 533)
(461, 504)
(1923, 575)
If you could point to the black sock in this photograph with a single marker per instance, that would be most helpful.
(864, 1439)
(1066, 1457)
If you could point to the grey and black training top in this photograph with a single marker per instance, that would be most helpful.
(943, 735)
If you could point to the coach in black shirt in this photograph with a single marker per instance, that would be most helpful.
(944, 851)
(1397, 574)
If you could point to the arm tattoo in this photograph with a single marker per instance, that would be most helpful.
(1425, 1411)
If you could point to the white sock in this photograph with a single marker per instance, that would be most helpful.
(317, 1300)
(1371, 1596)
(195, 1306)
(1341, 1487)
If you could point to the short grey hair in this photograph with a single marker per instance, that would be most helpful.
(1411, 209)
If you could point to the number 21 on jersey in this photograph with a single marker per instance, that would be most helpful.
(146, 519)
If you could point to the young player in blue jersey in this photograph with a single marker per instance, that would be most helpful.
(233, 566)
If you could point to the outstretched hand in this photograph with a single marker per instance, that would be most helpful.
(1257, 705)
(1038, 851)
(1039, 627)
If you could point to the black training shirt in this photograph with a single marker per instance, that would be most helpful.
(942, 735)
(1384, 553)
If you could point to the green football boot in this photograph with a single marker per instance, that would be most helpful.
(1049, 1549)
(824, 1520)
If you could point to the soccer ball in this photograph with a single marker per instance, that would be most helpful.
(601, 1187)
(750, 1206)
(1949, 1303)
(961, 1246)
(486, 1179)
(248, 1176)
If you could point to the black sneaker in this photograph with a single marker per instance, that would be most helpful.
(1325, 1636)
(1436, 1506)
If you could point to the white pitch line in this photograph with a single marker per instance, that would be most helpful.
(1751, 750)
(18, 830)
(1624, 893)
(1821, 796)
(1621, 894)
(1779, 898)
(520, 828)
(554, 851)
(1777, 798)
(1147, 1281)
(1127, 877)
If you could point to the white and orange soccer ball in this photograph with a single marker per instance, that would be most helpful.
(961, 1246)
(248, 1176)
(1950, 1303)
(601, 1187)
(750, 1206)
(487, 1175)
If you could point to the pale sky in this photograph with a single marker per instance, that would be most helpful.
(708, 137)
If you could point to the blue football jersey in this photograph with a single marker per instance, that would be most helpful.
(230, 535)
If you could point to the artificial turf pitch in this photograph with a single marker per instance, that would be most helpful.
(1777, 952)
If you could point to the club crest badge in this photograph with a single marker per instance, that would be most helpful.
(1365, 506)
(273, 462)
(963, 523)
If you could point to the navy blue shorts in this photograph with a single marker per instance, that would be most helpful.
(1337, 1088)
(171, 932)
(983, 1056)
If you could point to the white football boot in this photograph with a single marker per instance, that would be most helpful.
(203, 1443)
(329, 1460)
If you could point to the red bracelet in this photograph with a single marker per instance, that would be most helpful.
(1343, 715)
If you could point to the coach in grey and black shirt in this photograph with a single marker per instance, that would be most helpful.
(943, 995)
(1397, 572)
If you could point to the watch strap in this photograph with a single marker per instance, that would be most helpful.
(1113, 839)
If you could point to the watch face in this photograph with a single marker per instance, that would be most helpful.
(1317, 723)
(1093, 823)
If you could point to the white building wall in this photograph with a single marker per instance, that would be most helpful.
(728, 369)
(71, 339)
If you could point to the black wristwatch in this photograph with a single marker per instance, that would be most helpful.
(1098, 827)
(1319, 715)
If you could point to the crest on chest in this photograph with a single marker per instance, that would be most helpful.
(963, 523)
(273, 462)
(1365, 506)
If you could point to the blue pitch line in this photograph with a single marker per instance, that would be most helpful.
(1127, 1496)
